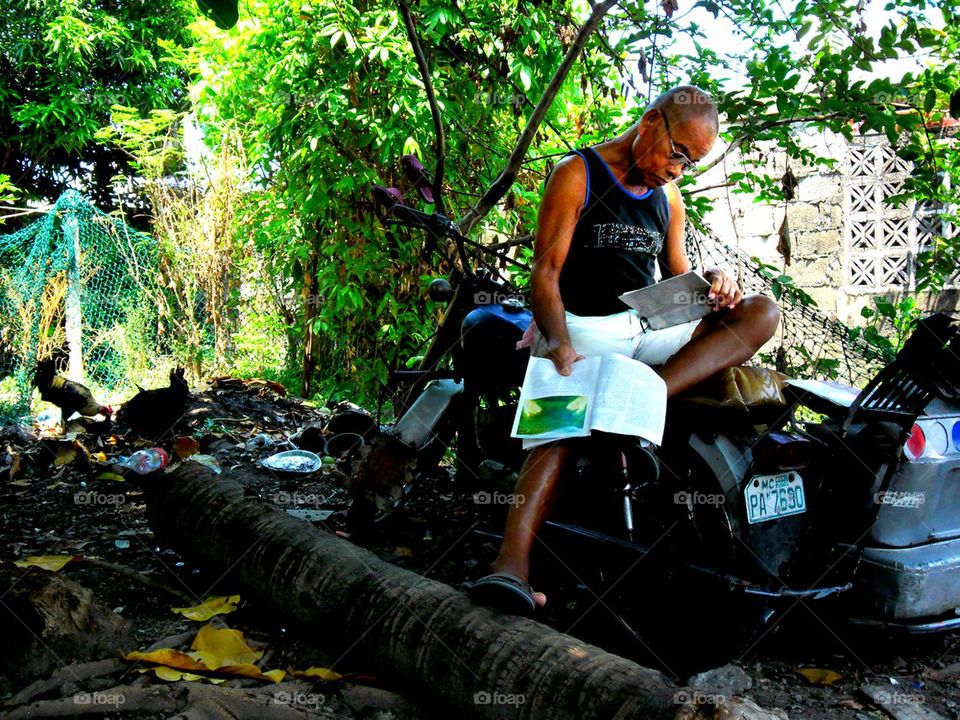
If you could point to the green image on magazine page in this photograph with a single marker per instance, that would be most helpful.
(559, 413)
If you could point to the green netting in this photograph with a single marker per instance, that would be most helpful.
(79, 273)
(809, 343)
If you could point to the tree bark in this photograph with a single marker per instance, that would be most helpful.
(422, 634)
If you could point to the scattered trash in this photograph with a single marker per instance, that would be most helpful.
(48, 421)
(121, 544)
(345, 444)
(310, 438)
(260, 441)
(144, 462)
(184, 447)
(352, 421)
(299, 462)
(208, 461)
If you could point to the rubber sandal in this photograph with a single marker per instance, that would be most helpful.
(505, 592)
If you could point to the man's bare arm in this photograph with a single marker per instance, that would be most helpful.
(676, 258)
(723, 288)
(562, 201)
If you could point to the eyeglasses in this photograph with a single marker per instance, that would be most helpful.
(675, 155)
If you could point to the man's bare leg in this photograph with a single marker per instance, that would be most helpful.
(535, 492)
(721, 340)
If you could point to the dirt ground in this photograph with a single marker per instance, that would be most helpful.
(55, 500)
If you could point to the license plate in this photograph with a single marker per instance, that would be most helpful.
(769, 497)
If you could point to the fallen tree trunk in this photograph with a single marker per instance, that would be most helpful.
(422, 634)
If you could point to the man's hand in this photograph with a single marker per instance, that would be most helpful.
(563, 356)
(724, 292)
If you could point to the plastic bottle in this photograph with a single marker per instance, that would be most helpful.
(143, 462)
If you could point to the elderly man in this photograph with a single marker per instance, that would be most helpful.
(609, 212)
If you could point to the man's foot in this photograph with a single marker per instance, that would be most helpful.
(506, 592)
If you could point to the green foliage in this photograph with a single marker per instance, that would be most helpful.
(782, 286)
(64, 64)
(328, 97)
(889, 323)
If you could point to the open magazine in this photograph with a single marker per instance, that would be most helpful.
(612, 393)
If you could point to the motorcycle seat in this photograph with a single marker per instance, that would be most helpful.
(743, 391)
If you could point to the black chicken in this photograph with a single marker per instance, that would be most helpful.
(153, 413)
(71, 397)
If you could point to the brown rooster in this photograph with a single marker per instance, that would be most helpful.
(71, 397)
(153, 413)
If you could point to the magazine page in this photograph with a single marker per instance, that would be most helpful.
(553, 405)
(673, 301)
(631, 399)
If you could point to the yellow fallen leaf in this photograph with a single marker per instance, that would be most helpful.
(219, 605)
(176, 665)
(218, 651)
(227, 645)
(100, 457)
(251, 671)
(321, 673)
(16, 464)
(47, 562)
(167, 656)
(819, 676)
(171, 675)
(66, 454)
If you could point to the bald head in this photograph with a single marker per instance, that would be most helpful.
(688, 103)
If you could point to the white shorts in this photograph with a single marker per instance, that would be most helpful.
(621, 333)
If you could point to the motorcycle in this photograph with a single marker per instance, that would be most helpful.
(765, 492)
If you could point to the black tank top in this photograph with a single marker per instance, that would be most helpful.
(616, 242)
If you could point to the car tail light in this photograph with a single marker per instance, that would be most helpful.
(916, 443)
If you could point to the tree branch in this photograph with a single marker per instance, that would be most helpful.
(740, 139)
(507, 176)
(440, 149)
